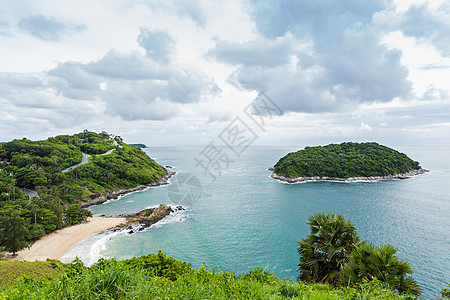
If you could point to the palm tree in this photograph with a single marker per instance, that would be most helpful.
(368, 262)
(324, 252)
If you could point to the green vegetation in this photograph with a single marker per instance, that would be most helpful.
(446, 292)
(139, 145)
(13, 230)
(11, 271)
(324, 252)
(158, 276)
(332, 253)
(336, 266)
(367, 262)
(38, 165)
(345, 160)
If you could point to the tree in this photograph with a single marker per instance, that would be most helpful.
(36, 231)
(446, 292)
(368, 262)
(75, 214)
(324, 252)
(13, 230)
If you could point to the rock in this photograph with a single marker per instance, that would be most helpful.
(96, 199)
(349, 179)
(148, 217)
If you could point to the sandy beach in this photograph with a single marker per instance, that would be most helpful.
(56, 244)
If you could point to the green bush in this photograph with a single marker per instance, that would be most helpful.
(368, 262)
(325, 251)
(112, 279)
(160, 265)
(446, 292)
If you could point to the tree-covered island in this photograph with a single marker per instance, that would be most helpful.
(44, 185)
(345, 162)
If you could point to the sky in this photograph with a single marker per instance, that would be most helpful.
(181, 72)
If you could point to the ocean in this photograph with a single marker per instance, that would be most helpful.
(237, 217)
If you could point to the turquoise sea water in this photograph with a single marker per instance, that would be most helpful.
(246, 219)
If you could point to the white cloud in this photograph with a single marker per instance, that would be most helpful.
(339, 71)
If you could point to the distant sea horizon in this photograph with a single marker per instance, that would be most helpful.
(243, 218)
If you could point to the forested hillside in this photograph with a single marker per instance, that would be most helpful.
(345, 160)
(38, 166)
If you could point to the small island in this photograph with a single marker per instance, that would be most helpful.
(345, 162)
(142, 146)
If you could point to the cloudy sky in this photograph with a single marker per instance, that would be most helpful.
(178, 72)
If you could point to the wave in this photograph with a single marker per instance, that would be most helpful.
(329, 180)
(90, 250)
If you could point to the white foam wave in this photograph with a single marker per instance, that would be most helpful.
(336, 181)
(90, 250)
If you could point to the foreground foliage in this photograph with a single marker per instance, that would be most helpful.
(12, 271)
(345, 160)
(332, 253)
(157, 276)
(367, 262)
(446, 292)
(38, 165)
(324, 252)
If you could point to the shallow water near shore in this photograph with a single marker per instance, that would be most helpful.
(246, 219)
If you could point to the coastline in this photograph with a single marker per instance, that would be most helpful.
(56, 244)
(163, 180)
(406, 175)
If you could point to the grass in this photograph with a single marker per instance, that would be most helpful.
(11, 271)
(157, 276)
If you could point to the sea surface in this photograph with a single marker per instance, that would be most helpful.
(242, 218)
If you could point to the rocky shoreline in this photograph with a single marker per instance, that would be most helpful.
(146, 218)
(349, 179)
(100, 199)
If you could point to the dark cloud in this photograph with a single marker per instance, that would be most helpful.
(158, 44)
(319, 20)
(429, 25)
(340, 59)
(193, 10)
(132, 66)
(72, 80)
(153, 93)
(29, 104)
(11, 81)
(130, 85)
(48, 29)
(138, 100)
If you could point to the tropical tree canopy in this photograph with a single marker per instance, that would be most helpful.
(13, 230)
(324, 252)
(368, 262)
(345, 160)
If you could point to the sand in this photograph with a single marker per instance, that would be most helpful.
(58, 243)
